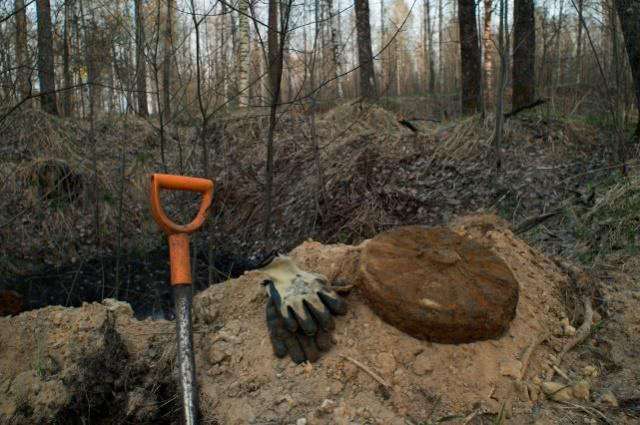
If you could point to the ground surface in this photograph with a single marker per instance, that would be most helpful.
(101, 361)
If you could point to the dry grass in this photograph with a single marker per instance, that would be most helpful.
(40, 228)
(376, 174)
(612, 225)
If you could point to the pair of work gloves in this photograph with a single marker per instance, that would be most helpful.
(300, 309)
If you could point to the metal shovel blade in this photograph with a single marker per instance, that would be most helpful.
(183, 295)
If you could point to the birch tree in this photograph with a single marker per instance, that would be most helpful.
(335, 46)
(243, 53)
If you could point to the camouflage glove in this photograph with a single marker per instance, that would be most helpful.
(303, 299)
(300, 346)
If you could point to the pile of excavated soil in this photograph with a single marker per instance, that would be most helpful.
(51, 360)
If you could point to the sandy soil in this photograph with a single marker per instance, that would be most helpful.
(100, 362)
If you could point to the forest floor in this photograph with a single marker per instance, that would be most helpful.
(559, 188)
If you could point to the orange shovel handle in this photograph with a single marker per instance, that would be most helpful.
(179, 233)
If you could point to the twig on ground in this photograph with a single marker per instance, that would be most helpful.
(524, 108)
(590, 410)
(529, 351)
(561, 373)
(532, 222)
(471, 416)
(369, 371)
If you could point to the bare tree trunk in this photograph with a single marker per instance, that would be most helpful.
(272, 46)
(429, 50)
(470, 57)
(204, 116)
(503, 46)
(488, 52)
(384, 54)
(368, 87)
(46, 72)
(167, 54)
(559, 77)
(397, 62)
(524, 53)
(111, 104)
(243, 53)
(23, 72)
(579, 43)
(629, 15)
(223, 53)
(67, 96)
(275, 74)
(141, 63)
(335, 47)
(440, 44)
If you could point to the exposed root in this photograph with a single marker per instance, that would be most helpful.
(526, 357)
(583, 332)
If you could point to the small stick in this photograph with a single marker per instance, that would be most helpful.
(529, 351)
(471, 416)
(561, 373)
(369, 371)
(590, 410)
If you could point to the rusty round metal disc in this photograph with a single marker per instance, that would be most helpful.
(437, 285)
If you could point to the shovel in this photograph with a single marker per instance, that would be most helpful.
(181, 277)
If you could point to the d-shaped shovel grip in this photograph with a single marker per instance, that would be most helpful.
(179, 233)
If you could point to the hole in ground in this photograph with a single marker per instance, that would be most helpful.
(141, 279)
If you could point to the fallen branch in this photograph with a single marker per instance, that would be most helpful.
(532, 222)
(369, 371)
(408, 124)
(524, 108)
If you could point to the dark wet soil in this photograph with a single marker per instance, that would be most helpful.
(142, 280)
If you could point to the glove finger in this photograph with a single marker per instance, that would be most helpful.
(287, 316)
(295, 350)
(323, 340)
(334, 303)
(290, 321)
(304, 318)
(272, 315)
(308, 344)
(321, 314)
(275, 325)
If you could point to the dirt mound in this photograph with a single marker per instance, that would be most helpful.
(55, 359)
(95, 362)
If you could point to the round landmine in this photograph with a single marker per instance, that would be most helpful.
(437, 285)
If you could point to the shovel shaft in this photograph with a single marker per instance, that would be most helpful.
(183, 296)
